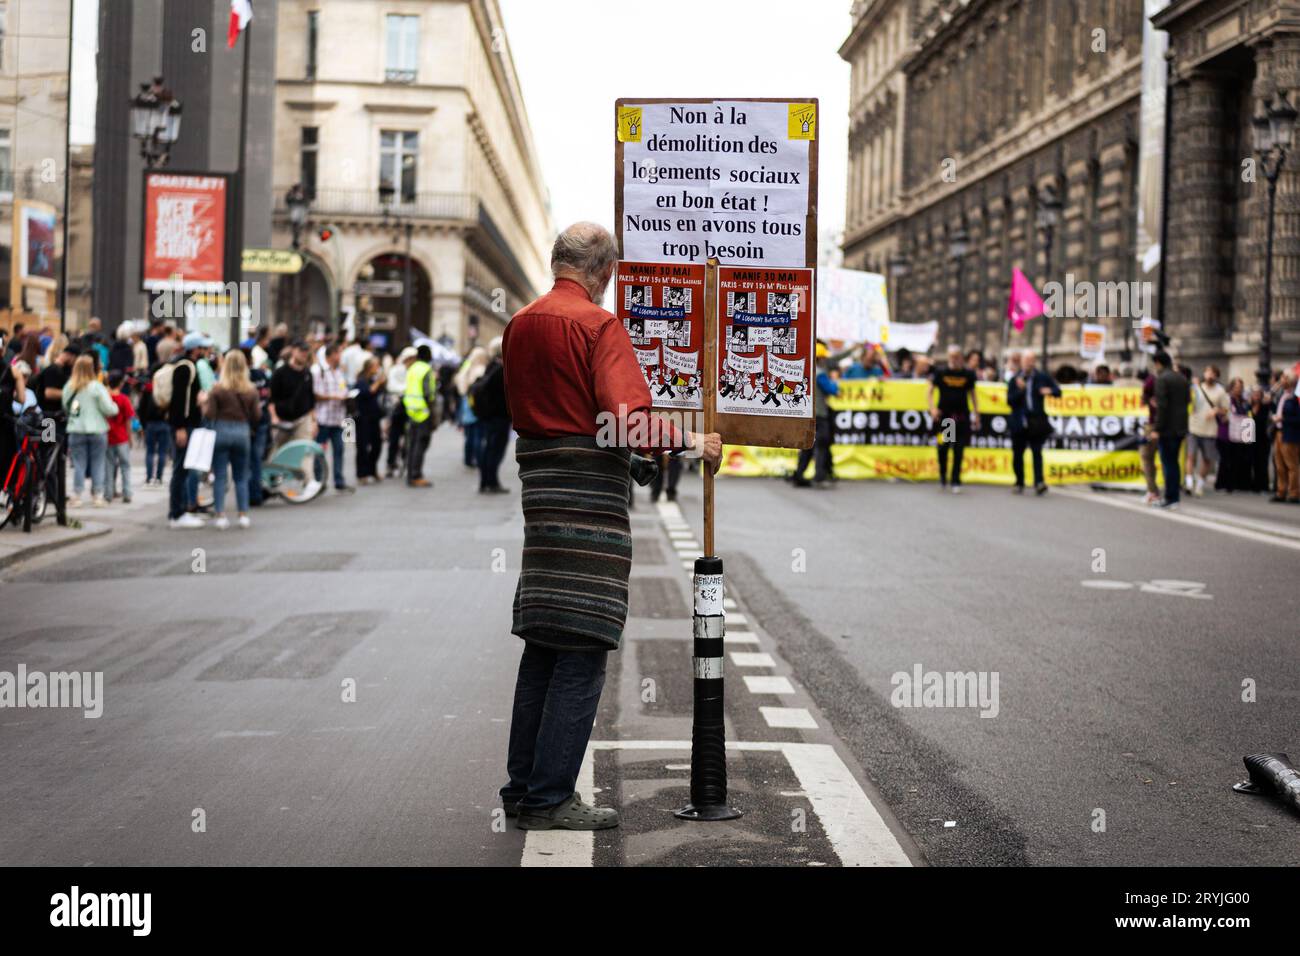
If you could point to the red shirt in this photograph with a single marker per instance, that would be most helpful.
(566, 361)
(119, 426)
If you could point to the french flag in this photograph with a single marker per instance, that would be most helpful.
(241, 15)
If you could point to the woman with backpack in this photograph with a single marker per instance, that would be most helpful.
(89, 407)
(234, 410)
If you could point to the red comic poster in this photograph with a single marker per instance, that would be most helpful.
(662, 308)
(184, 230)
(765, 342)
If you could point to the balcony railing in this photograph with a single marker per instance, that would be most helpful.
(365, 202)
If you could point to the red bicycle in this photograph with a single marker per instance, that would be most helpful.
(30, 484)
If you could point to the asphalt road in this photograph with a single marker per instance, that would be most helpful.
(226, 689)
(1112, 697)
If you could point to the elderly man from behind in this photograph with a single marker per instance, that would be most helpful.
(570, 366)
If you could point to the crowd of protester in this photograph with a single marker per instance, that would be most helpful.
(1236, 437)
(154, 387)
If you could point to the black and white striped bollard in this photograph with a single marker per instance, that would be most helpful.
(708, 730)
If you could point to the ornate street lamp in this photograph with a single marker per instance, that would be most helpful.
(958, 247)
(155, 121)
(1274, 130)
(1049, 214)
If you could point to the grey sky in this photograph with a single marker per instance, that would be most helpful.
(575, 57)
(84, 83)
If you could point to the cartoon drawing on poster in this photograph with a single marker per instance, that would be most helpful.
(638, 295)
(784, 341)
(677, 297)
(772, 378)
(670, 332)
(636, 331)
(741, 302)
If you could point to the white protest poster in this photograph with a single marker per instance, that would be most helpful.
(1092, 340)
(730, 179)
(913, 336)
(852, 305)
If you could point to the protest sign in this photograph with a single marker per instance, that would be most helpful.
(1092, 340)
(852, 306)
(730, 179)
(765, 356)
(661, 305)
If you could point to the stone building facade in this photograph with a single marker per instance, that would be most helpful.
(421, 95)
(988, 104)
(1229, 57)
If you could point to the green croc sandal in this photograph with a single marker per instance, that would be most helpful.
(572, 814)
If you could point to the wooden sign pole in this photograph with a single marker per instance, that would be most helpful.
(710, 382)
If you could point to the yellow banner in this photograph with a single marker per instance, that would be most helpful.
(883, 430)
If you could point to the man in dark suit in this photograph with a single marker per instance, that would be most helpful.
(1172, 396)
(1027, 394)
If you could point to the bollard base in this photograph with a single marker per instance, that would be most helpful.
(712, 812)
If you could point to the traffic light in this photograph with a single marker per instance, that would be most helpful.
(325, 235)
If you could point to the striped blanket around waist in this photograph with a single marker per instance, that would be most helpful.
(572, 592)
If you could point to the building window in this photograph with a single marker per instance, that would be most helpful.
(313, 34)
(399, 154)
(403, 38)
(308, 155)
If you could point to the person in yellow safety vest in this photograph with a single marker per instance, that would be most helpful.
(419, 401)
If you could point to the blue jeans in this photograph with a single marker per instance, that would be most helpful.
(231, 448)
(257, 452)
(178, 499)
(119, 463)
(88, 452)
(334, 435)
(496, 436)
(473, 444)
(157, 449)
(556, 696)
(1171, 465)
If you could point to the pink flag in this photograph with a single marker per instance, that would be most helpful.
(1025, 302)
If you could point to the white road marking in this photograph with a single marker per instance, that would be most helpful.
(729, 604)
(1187, 519)
(763, 684)
(747, 659)
(855, 829)
(852, 824)
(796, 718)
(565, 847)
(740, 637)
(735, 617)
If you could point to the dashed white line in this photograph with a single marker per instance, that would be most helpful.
(749, 659)
(740, 637)
(763, 684)
(796, 718)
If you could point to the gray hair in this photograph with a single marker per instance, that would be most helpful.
(585, 248)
